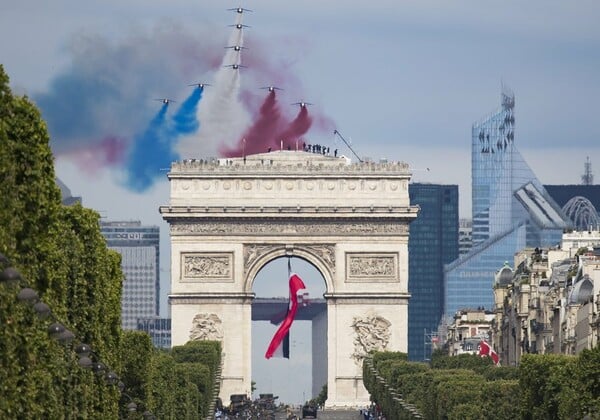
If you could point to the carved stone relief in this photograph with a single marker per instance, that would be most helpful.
(325, 252)
(207, 267)
(253, 251)
(372, 267)
(303, 227)
(370, 333)
(207, 327)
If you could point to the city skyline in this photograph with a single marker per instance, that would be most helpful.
(403, 81)
(511, 211)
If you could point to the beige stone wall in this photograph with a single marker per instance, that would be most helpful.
(228, 219)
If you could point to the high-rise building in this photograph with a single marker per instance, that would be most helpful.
(65, 194)
(510, 207)
(465, 236)
(139, 249)
(159, 330)
(433, 242)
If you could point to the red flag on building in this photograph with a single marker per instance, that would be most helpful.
(282, 334)
(486, 350)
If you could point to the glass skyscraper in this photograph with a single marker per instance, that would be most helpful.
(511, 210)
(139, 249)
(433, 242)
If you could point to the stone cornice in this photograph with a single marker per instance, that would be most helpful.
(368, 298)
(274, 211)
(267, 165)
(216, 298)
(288, 226)
(331, 298)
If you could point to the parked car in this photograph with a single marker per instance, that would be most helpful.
(309, 411)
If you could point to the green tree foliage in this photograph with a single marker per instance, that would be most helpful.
(199, 375)
(200, 351)
(60, 253)
(462, 361)
(322, 397)
(207, 353)
(137, 353)
(388, 355)
(587, 383)
(163, 383)
(541, 387)
(541, 379)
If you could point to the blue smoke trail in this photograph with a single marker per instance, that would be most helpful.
(155, 148)
(185, 121)
(150, 153)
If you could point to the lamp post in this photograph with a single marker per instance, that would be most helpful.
(9, 276)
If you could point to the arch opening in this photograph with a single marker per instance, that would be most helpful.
(301, 376)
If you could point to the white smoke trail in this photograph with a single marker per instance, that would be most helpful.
(222, 115)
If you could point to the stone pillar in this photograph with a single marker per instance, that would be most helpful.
(319, 352)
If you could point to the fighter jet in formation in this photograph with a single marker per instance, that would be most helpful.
(165, 100)
(271, 88)
(239, 26)
(235, 66)
(200, 85)
(302, 104)
(239, 10)
(236, 48)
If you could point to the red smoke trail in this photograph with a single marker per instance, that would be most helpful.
(261, 135)
(296, 130)
(109, 152)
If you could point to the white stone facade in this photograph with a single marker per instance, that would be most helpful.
(229, 218)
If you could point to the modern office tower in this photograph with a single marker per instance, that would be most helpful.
(510, 207)
(433, 242)
(465, 236)
(159, 330)
(65, 194)
(139, 249)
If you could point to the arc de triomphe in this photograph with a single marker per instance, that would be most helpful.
(230, 217)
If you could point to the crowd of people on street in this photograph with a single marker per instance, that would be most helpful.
(372, 412)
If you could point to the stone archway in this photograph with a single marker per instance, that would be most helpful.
(230, 217)
(256, 256)
(307, 345)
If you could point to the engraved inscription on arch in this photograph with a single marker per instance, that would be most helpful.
(380, 267)
(207, 267)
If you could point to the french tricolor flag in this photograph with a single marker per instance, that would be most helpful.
(280, 344)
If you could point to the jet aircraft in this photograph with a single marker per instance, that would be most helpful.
(200, 85)
(165, 100)
(302, 104)
(239, 26)
(271, 88)
(236, 48)
(234, 66)
(239, 10)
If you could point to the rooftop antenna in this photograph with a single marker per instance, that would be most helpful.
(347, 144)
(587, 178)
